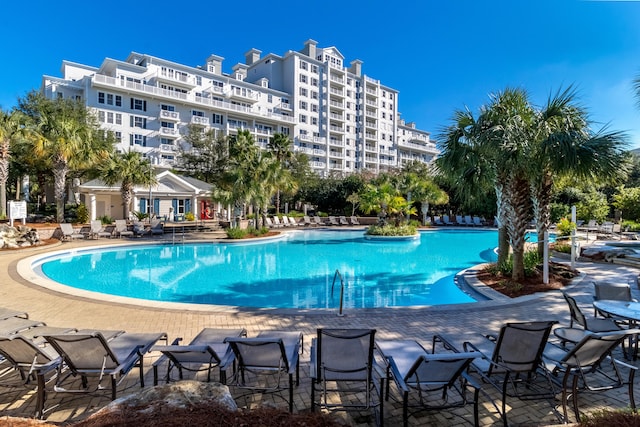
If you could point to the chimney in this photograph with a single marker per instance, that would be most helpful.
(310, 48)
(252, 56)
(356, 67)
(214, 64)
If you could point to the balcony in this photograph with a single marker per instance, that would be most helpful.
(318, 165)
(316, 139)
(336, 142)
(338, 92)
(284, 106)
(373, 92)
(169, 132)
(370, 124)
(336, 116)
(371, 103)
(242, 94)
(370, 135)
(191, 99)
(167, 148)
(337, 104)
(336, 153)
(200, 120)
(336, 128)
(336, 79)
(169, 115)
(180, 79)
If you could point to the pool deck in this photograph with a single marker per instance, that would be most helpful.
(419, 323)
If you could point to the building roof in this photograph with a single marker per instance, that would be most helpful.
(169, 184)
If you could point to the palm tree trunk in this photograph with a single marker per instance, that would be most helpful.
(278, 201)
(518, 208)
(4, 176)
(541, 197)
(60, 170)
(503, 235)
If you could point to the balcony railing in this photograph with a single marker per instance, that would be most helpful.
(169, 131)
(169, 115)
(200, 120)
(103, 80)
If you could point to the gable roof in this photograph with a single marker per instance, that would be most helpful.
(169, 184)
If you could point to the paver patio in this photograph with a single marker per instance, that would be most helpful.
(58, 309)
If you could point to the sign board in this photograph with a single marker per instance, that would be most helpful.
(17, 210)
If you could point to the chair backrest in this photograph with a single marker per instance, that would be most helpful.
(67, 229)
(476, 220)
(354, 220)
(96, 226)
(259, 353)
(269, 222)
(21, 351)
(345, 354)
(306, 219)
(520, 345)
(611, 291)
(84, 352)
(121, 225)
(276, 220)
(593, 348)
(576, 314)
(438, 370)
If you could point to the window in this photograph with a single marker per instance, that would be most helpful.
(110, 117)
(109, 99)
(303, 118)
(314, 121)
(137, 139)
(314, 108)
(303, 132)
(166, 107)
(118, 136)
(199, 80)
(118, 118)
(314, 81)
(303, 65)
(138, 104)
(284, 130)
(314, 94)
(303, 105)
(270, 98)
(384, 104)
(101, 116)
(303, 91)
(303, 78)
(167, 125)
(211, 68)
(197, 113)
(314, 69)
(101, 96)
(137, 122)
(217, 119)
(384, 116)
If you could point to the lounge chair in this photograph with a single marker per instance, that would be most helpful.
(439, 379)
(343, 220)
(354, 221)
(14, 325)
(575, 369)
(98, 230)
(344, 358)
(276, 222)
(468, 221)
(91, 355)
(68, 233)
(318, 221)
(477, 222)
(121, 228)
(437, 220)
(157, 227)
(333, 221)
(6, 313)
(460, 220)
(510, 361)
(205, 352)
(446, 220)
(306, 220)
(292, 222)
(271, 353)
(139, 229)
(32, 362)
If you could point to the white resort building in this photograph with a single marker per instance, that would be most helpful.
(344, 120)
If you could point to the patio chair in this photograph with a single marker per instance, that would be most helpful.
(510, 361)
(32, 362)
(68, 233)
(594, 324)
(354, 221)
(446, 220)
(440, 380)
(318, 221)
(306, 221)
(139, 229)
(6, 313)
(14, 325)
(98, 230)
(277, 223)
(333, 221)
(477, 221)
(204, 353)
(460, 220)
(343, 220)
(582, 367)
(157, 227)
(289, 220)
(437, 220)
(342, 362)
(91, 355)
(271, 354)
(121, 228)
(468, 221)
(612, 291)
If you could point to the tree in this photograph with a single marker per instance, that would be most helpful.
(9, 129)
(65, 136)
(279, 146)
(208, 155)
(128, 169)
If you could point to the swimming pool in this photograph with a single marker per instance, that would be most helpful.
(294, 272)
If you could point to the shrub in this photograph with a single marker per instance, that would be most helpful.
(565, 227)
(236, 233)
(531, 261)
(140, 215)
(565, 248)
(106, 219)
(82, 213)
(391, 230)
(189, 216)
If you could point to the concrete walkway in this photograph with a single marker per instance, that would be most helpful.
(58, 309)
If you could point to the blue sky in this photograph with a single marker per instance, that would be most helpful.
(441, 55)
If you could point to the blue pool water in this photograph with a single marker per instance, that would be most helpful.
(296, 272)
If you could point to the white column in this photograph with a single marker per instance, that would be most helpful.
(92, 206)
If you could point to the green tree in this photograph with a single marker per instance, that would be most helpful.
(279, 146)
(627, 200)
(10, 128)
(65, 136)
(206, 155)
(128, 170)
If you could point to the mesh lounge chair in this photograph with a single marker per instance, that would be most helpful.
(343, 220)
(306, 220)
(354, 221)
(91, 355)
(270, 354)
(574, 334)
(333, 221)
(121, 228)
(439, 380)
(68, 233)
(98, 230)
(31, 361)
(6, 313)
(446, 220)
(344, 358)
(205, 352)
(437, 220)
(582, 367)
(513, 358)
(157, 227)
(318, 221)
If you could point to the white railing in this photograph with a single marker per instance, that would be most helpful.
(199, 120)
(336, 142)
(336, 116)
(371, 103)
(336, 104)
(168, 148)
(336, 91)
(169, 131)
(336, 128)
(372, 91)
(370, 80)
(156, 91)
(318, 164)
(171, 115)
(319, 152)
(337, 79)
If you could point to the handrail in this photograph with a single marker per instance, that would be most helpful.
(337, 274)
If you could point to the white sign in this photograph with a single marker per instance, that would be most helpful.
(17, 210)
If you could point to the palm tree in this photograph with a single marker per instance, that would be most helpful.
(9, 129)
(65, 136)
(280, 148)
(128, 170)
(564, 145)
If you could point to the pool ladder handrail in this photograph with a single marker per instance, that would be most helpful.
(173, 242)
(337, 274)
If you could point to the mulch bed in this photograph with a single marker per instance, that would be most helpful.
(560, 276)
